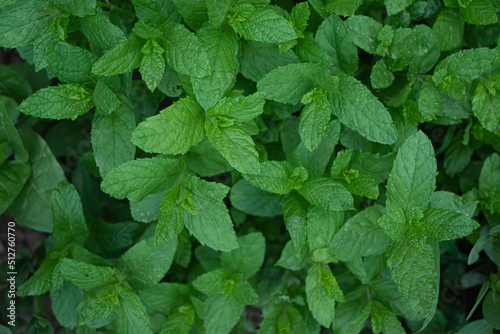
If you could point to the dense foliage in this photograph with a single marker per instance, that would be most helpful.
(253, 166)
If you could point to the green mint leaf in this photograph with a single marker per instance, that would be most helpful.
(274, 176)
(357, 108)
(490, 308)
(65, 300)
(23, 22)
(479, 12)
(217, 11)
(183, 51)
(363, 31)
(47, 277)
(71, 63)
(248, 257)
(309, 51)
(314, 118)
(145, 264)
(449, 29)
(445, 224)
(299, 16)
(146, 210)
(170, 217)
(240, 108)
(205, 160)
(322, 225)
(257, 59)
(254, 201)
(104, 99)
(145, 31)
(465, 65)
(223, 312)
(212, 281)
(179, 322)
(86, 276)
(212, 191)
(394, 224)
(156, 12)
(343, 7)
(333, 37)
(384, 320)
(15, 172)
(122, 58)
(362, 185)
(80, 8)
(110, 138)
(244, 293)
(288, 84)
(449, 200)
(380, 76)
(174, 130)
(406, 45)
(486, 108)
(360, 236)
(212, 226)
(413, 177)
(411, 262)
(291, 259)
(132, 316)
(395, 6)
(97, 304)
(327, 194)
(294, 210)
(100, 31)
(261, 24)
(165, 297)
(351, 315)
(152, 64)
(316, 161)
(322, 291)
(31, 208)
(58, 102)
(193, 12)
(489, 177)
(222, 50)
(138, 178)
(235, 145)
(67, 210)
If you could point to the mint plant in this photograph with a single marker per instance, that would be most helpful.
(253, 166)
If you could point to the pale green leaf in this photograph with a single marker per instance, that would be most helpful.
(145, 264)
(86, 276)
(104, 99)
(486, 108)
(248, 257)
(69, 221)
(100, 31)
(138, 178)
(361, 235)
(212, 226)
(394, 223)
(273, 177)
(222, 50)
(217, 11)
(479, 12)
(235, 145)
(413, 177)
(445, 224)
(77, 8)
(288, 84)
(357, 108)
(332, 35)
(327, 194)
(261, 24)
(395, 6)
(363, 31)
(156, 12)
(322, 225)
(222, 313)
(184, 52)
(110, 138)
(411, 262)
(174, 130)
(21, 23)
(449, 29)
(131, 315)
(122, 58)
(254, 201)
(257, 58)
(58, 102)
